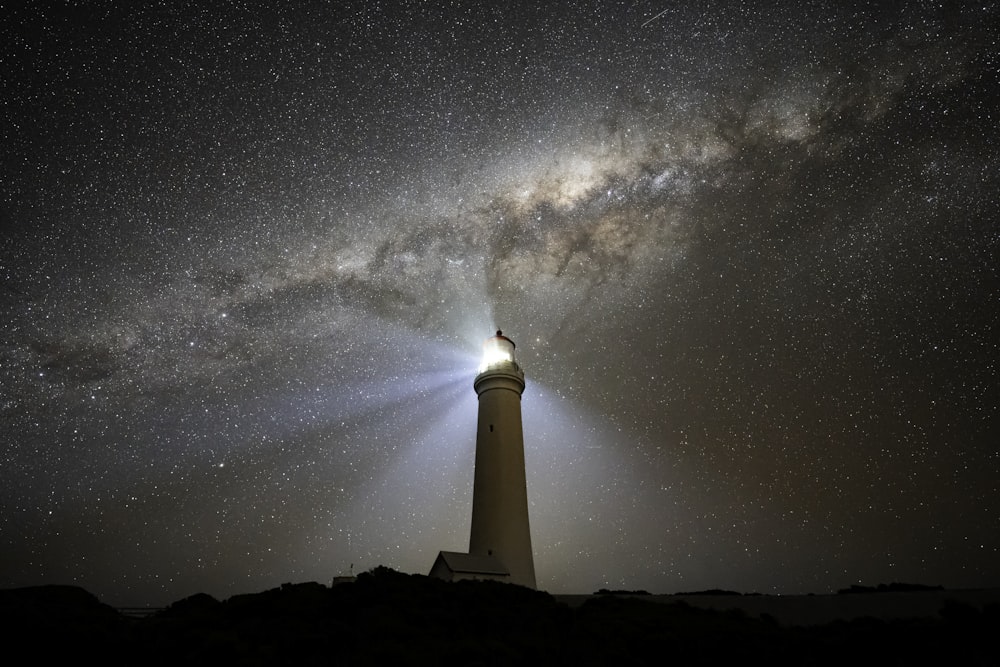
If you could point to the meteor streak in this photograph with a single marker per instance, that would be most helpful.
(655, 17)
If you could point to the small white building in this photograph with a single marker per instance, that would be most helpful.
(456, 566)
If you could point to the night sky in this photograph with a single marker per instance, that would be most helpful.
(749, 253)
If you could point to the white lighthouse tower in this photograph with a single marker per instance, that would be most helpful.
(500, 493)
(500, 543)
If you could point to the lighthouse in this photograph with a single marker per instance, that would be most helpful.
(500, 540)
(500, 493)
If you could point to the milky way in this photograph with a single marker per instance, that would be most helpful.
(749, 255)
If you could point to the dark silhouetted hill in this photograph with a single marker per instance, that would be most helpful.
(386, 617)
(605, 591)
(60, 622)
(711, 591)
(894, 587)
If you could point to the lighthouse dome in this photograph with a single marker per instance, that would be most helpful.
(497, 350)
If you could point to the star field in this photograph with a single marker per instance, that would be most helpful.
(748, 252)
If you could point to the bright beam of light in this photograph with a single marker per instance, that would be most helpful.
(582, 470)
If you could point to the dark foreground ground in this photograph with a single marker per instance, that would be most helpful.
(391, 618)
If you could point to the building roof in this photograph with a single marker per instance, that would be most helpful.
(472, 563)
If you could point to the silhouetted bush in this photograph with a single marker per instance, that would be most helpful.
(57, 623)
(388, 617)
(894, 587)
(605, 591)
